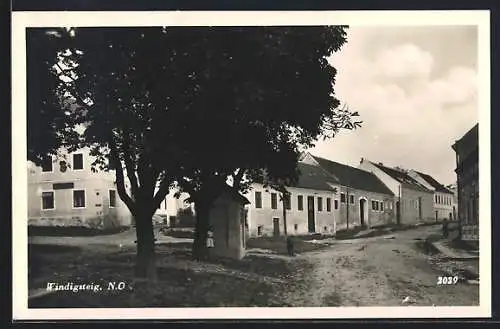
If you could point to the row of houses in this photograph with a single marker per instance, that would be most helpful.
(328, 196)
(331, 196)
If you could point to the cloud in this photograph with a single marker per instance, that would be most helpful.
(411, 114)
(402, 61)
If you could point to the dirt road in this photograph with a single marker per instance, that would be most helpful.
(378, 272)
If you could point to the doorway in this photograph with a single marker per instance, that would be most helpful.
(276, 227)
(362, 207)
(436, 212)
(310, 214)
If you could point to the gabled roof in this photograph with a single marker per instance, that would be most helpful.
(402, 177)
(434, 183)
(353, 177)
(314, 177)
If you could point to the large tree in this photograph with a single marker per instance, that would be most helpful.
(190, 106)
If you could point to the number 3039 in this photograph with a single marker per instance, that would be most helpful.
(447, 280)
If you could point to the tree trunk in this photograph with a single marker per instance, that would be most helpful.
(145, 265)
(201, 230)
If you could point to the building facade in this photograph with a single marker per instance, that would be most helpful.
(310, 206)
(414, 203)
(443, 197)
(66, 192)
(364, 199)
(467, 170)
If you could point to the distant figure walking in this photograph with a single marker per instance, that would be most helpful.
(290, 246)
(210, 240)
(445, 228)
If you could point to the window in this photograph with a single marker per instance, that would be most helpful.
(259, 230)
(112, 199)
(77, 161)
(296, 227)
(342, 197)
(48, 200)
(258, 199)
(300, 202)
(381, 206)
(320, 203)
(78, 199)
(288, 201)
(436, 198)
(47, 165)
(336, 202)
(351, 199)
(376, 205)
(274, 201)
(373, 204)
(328, 204)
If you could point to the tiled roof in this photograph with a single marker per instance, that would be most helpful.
(402, 177)
(434, 183)
(314, 177)
(354, 177)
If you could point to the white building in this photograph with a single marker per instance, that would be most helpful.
(444, 206)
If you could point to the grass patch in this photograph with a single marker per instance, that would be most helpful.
(180, 234)
(457, 243)
(234, 283)
(426, 246)
(348, 233)
(278, 245)
(73, 231)
(314, 236)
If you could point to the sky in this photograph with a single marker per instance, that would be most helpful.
(415, 90)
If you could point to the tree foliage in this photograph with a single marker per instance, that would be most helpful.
(190, 106)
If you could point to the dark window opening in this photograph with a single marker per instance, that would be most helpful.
(47, 165)
(112, 198)
(274, 201)
(47, 200)
(77, 161)
(78, 199)
(258, 199)
(300, 202)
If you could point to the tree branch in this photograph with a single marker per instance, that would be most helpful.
(129, 164)
(237, 178)
(120, 181)
(162, 192)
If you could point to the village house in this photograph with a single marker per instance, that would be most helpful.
(444, 206)
(65, 191)
(311, 206)
(364, 199)
(413, 201)
(467, 170)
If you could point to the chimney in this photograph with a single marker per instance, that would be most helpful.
(380, 164)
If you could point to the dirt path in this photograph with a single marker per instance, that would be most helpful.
(378, 272)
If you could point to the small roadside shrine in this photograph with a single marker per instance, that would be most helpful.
(227, 219)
